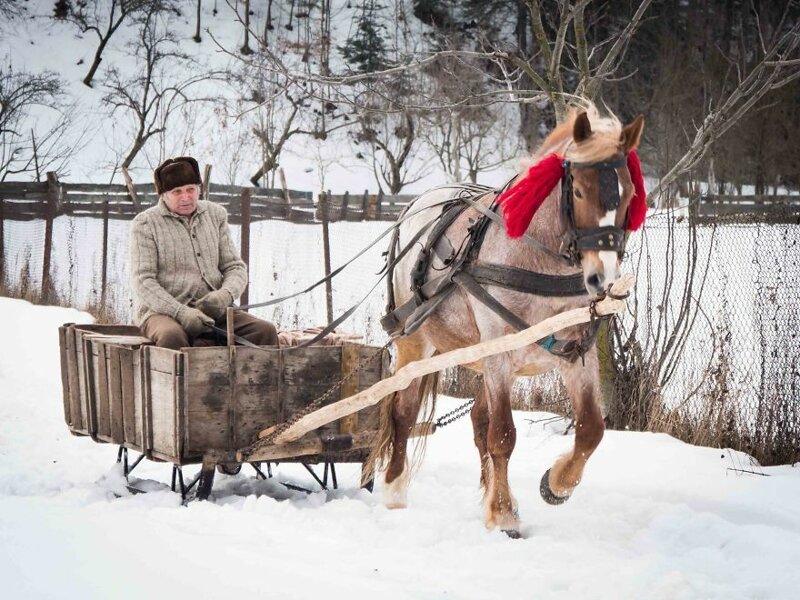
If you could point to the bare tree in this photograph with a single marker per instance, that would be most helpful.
(104, 18)
(31, 144)
(154, 94)
(392, 141)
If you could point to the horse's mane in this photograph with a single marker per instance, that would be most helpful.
(603, 143)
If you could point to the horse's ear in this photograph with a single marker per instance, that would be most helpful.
(632, 134)
(582, 128)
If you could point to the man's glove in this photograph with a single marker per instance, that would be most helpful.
(215, 303)
(194, 321)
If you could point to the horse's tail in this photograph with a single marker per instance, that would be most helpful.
(384, 445)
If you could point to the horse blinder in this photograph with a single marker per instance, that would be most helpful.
(608, 237)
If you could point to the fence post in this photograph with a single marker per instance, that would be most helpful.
(2, 246)
(246, 241)
(50, 214)
(326, 253)
(345, 202)
(364, 205)
(104, 269)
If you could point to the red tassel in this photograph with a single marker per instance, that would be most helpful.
(638, 208)
(522, 201)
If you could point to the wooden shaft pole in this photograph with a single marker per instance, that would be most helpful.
(413, 370)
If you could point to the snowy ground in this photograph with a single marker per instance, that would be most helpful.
(654, 518)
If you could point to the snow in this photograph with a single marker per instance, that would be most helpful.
(653, 518)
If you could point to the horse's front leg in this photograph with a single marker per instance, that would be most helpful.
(583, 386)
(501, 437)
(480, 429)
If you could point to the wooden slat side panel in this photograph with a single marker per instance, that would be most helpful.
(73, 367)
(307, 373)
(370, 374)
(207, 399)
(127, 391)
(162, 412)
(64, 355)
(257, 393)
(100, 389)
(163, 393)
(138, 399)
(90, 388)
(81, 422)
(350, 362)
(115, 393)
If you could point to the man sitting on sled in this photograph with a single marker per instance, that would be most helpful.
(185, 269)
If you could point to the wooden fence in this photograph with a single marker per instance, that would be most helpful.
(775, 208)
(27, 201)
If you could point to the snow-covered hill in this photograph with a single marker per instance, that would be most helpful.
(218, 131)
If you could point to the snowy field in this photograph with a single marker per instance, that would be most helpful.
(654, 517)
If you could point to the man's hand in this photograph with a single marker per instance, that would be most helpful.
(215, 303)
(194, 321)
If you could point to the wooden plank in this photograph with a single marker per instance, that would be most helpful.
(162, 360)
(162, 412)
(139, 429)
(124, 371)
(80, 421)
(74, 387)
(115, 399)
(350, 362)
(101, 391)
(403, 378)
(63, 352)
(163, 393)
(207, 399)
(88, 392)
(257, 393)
(306, 374)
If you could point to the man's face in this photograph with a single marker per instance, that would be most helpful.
(182, 200)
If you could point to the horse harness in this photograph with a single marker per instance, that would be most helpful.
(463, 272)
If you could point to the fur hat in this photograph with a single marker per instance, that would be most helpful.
(175, 172)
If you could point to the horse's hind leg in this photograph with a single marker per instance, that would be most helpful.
(403, 416)
(583, 387)
(501, 508)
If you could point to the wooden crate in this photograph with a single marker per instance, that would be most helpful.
(177, 405)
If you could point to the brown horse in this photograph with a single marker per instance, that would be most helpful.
(592, 157)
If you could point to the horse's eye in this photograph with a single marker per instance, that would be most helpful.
(578, 194)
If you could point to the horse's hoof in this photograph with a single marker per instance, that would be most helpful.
(547, 494)
(512, 533)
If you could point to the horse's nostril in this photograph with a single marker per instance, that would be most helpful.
(595, 280)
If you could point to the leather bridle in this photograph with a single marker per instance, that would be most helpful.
(607, 237)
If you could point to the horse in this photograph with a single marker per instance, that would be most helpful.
(570, 237)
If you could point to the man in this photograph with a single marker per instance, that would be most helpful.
(185, 270)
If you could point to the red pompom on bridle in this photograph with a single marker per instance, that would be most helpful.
(521, 201)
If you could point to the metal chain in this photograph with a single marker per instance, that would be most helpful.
(317, 403)
(454, 415)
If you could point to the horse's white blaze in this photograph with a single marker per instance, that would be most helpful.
(609, 257)
(395, 494)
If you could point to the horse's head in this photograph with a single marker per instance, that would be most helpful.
(595, 201)
(602, 193)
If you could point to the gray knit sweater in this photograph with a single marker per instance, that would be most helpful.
(176, 260)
